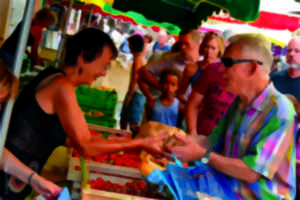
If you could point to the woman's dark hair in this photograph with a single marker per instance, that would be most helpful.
(90, 43)
(136, 43)
(169, 71)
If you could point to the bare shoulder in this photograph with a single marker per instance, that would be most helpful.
(62, 87)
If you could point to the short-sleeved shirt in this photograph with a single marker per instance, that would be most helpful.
(166, 114)
(263, 135)
(286, 84)
(216, 100)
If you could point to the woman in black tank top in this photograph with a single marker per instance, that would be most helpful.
(46, 113)
(8, 162)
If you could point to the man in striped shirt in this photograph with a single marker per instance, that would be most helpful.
(255, 141)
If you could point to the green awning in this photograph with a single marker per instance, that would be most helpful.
(173, 15)
(189, 13)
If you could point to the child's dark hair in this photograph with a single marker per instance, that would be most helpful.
(169, 71)
(136, 43)
(90, 43)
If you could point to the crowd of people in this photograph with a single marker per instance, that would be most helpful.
(235, 104)
(219, 91)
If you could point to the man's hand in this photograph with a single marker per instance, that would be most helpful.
(46, 188)
(189, 151)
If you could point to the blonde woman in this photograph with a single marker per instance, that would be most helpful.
(211, 48)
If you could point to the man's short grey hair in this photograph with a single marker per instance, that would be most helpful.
(256, 43)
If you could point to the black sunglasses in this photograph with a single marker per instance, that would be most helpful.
(229, 62)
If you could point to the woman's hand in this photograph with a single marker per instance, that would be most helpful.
(153, 145)
(46, 188)
(189, 151)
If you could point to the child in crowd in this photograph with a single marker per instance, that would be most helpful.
(133, 106)
(166, 108)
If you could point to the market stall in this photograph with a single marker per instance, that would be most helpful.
(120, 170)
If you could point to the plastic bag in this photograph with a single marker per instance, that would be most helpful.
(199, 182)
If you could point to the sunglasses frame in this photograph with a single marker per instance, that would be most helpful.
(236, 61)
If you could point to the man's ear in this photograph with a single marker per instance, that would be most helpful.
(253, 68)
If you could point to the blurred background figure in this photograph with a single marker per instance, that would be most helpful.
(147, 45)
(287, 81)
(42, 19)
(162, 42)
(211, 49)
(133, 106)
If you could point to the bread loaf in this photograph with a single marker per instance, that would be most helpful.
(151, 129)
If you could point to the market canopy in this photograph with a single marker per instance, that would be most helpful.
(189, 13)
(267, 20)
(172, 15)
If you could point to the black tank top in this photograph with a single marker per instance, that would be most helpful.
(32, 136)
(11, 43)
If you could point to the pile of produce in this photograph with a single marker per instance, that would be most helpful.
(98, 104)
(121, 159)
(137, 188)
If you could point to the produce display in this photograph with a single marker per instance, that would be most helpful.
(137, 188)
(98, 104)
(121, 158)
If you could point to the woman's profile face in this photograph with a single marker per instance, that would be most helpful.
(98, 67)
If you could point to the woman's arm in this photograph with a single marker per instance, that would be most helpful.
(74, 124)
(11, 165)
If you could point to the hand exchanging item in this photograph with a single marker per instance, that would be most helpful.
(188, 151)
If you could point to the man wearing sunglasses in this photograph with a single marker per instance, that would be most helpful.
(254, 144)
(287, 81)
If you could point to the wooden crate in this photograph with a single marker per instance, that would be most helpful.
(116, 133)
(95, 194)
(75, 175)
